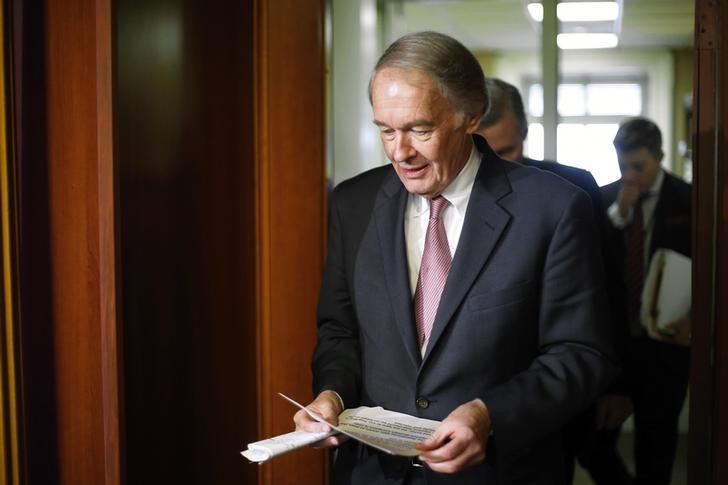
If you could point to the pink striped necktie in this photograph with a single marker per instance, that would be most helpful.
(436, 261)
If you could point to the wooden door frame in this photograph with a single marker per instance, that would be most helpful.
(708, 435)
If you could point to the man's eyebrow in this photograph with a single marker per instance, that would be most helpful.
(419, 122)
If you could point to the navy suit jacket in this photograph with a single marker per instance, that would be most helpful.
(521, 322)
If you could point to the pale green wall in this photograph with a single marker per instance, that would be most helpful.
(683, 75)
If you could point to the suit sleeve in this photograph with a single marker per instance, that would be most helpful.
(575, 345)
(336, 362)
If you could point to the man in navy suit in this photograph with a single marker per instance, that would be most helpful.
(519, 342)
(505, 128)
(656, 370)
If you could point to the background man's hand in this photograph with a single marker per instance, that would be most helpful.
(627, 196)
(677, 332)
(613, 410)
(328, 406)
(459, 441)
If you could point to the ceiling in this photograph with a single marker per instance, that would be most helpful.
(505, 24)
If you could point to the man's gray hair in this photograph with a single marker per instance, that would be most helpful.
(447, 61)
(504, 98)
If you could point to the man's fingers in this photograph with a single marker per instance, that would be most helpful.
(435, 441)
(453, 456)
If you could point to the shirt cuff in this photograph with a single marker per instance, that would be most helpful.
(616, 218)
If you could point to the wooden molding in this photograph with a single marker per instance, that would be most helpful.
(82, 239)
(290, 161)
(708, 441)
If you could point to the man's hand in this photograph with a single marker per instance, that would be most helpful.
(460, 440)
(328, 406)
(613, 410)
(627, 196)
(677, 332)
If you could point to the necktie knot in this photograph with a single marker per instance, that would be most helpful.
(437, 205)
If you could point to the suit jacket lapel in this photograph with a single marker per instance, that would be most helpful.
(485, 220)
(389, 216)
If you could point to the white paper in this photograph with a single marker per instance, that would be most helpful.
(388, 431)
(666, 297)
(264, 450)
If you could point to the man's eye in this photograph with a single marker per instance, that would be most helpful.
(421, 132)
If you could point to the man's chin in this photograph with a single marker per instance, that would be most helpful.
(419, 187)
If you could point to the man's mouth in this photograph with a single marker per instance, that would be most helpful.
(412, 172)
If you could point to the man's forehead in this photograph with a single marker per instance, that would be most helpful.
(641, 154)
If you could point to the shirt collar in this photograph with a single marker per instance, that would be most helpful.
(458, 192)
(656, 185)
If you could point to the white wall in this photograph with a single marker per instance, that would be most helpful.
(355, 144)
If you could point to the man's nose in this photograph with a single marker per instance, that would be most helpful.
(403, 149)
(628, 175)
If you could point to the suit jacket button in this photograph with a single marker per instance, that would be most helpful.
(422, 403)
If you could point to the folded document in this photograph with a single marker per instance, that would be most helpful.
(666, 296)
(388, 431)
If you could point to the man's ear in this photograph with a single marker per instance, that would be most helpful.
(472, 123)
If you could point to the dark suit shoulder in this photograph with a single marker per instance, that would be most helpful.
(365, 184)
(353, 201)
(577, 176)
(678, 188)
(545, 182)
(610, 191)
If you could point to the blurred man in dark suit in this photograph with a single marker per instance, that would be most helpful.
(648, 209)
(505, 128)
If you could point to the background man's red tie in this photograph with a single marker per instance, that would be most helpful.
(635, 265)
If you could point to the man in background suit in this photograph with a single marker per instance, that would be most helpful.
(505, 128)
(648, 209)
(513, 343)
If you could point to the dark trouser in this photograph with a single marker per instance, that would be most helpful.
(602, 461)
(658, 375)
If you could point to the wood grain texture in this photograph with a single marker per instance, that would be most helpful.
(708, 440)
(290, 154)
(82, 244)
(187, 225)
(11, 438)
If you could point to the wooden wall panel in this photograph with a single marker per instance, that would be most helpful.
(720, 321)
(29, 116)
(203, 183)
(82, 245)
(187, 227)
(291, 187)
(708, 444)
